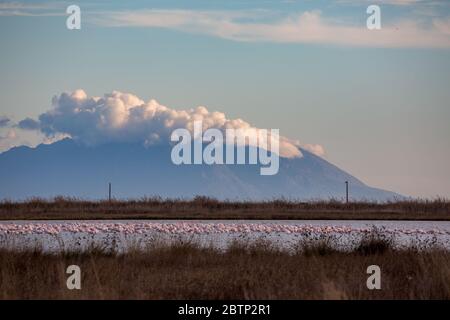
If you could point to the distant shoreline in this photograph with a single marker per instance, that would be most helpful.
(214, 219)
(202, 208)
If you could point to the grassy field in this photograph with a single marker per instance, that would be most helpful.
(243, 271)
(206, 208)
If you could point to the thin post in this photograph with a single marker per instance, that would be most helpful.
(109, 192)
(346, 191)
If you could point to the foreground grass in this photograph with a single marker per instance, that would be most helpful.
(207, 208)
(252, 271)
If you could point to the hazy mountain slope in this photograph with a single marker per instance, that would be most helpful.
(70, 169)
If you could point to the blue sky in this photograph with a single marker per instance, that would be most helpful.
(377, 101)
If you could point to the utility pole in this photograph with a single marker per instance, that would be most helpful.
(109, 192)
(346, 191)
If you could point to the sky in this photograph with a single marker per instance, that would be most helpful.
(375, 102)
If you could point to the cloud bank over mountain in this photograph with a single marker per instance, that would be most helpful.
(124, 117)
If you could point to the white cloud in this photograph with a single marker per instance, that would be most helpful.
(15, 5)
(4, 121)
(306, 27)
(317, 149)
(389, 2)
(28, 124)
(124, 117)
(30, 9)
(8, 140)
(443, 25)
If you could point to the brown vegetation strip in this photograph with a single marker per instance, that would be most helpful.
(207, 208)
(255, 271)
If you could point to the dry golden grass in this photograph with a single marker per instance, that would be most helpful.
(243, 271)
(207, 208)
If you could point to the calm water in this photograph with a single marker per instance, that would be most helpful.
(123, 234)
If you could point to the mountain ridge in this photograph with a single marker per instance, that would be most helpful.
(69, 168)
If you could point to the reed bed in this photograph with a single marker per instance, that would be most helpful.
(208, 208)
(245, 270)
